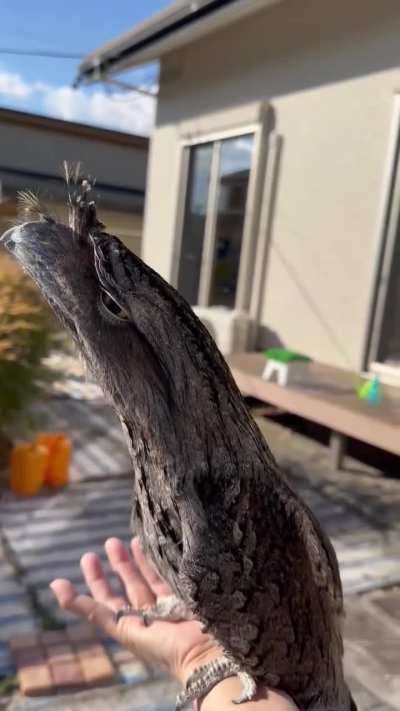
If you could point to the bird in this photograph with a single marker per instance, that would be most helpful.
(220, 521)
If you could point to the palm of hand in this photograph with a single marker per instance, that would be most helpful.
(178, 646)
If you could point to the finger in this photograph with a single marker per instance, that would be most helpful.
(84, 606)
(158, 586)
(98, 584)
(137, 590)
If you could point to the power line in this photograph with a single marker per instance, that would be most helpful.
(129, 87)
(41, 53)
(50, 54)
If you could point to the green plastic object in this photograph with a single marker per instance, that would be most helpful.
(371, 391)
(283, 355)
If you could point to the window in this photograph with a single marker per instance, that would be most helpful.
(214, 220)
(194, 221)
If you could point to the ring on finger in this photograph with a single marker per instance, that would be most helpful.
(127, 610)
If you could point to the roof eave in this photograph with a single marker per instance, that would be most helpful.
(163, 33)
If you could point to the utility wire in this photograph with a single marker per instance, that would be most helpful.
(40, 53)
(130, 87)
(50, 54)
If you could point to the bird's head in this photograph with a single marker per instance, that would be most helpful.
(153, 358)
(121, 314)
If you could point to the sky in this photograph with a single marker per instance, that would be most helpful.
(44, 85)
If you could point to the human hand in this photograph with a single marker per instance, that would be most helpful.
(180, 647)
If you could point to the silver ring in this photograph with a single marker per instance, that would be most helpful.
(123, 611)
(129, 610)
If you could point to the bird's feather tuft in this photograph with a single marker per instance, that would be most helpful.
(82, 216)
(29, 206)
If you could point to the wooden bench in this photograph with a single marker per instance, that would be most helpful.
(327, 397)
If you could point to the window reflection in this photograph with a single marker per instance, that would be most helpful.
(194, 221)
(389, 347)
(229, 188)
(233, 181)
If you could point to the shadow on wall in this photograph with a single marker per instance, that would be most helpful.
(264, 336)
(267, 338)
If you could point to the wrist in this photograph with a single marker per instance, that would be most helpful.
(224, 693)
(196, 658)
(221, 695)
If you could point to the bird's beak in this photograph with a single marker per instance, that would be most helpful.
(7, 240)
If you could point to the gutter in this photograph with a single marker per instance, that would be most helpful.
(103, 62)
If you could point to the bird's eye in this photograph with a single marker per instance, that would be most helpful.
(111, 308)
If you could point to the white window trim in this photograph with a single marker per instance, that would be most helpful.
(263, 237)
(250, 225)
(207, 256)
(388, 217)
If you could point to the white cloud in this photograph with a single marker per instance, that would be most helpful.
(124, 111)
(127, 111)
(12, 85)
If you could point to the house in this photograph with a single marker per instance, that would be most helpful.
(274, 183)
(32, 151)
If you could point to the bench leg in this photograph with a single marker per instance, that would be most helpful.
(337, 445)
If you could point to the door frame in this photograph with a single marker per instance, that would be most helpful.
(252, 210)
(388, 221)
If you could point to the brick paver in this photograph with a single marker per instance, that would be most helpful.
(61, 661)
(34, 674)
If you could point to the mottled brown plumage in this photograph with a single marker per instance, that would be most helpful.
(215, 513)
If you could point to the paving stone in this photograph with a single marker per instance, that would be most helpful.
(33, 672)
(17, 626)
(11, 587)
(56, 637)
(365, 699)
(13, 608)
(7, 665)
(59, 654)
(88, 648)
(372, 650)
(95, 663)
(389, 603)
(24, 641)
(67, 676)
(133, 672)
(158, 696)
(81, 632)
(96, 668)
(118, 654)
(69, 664)
(29, 656)
(368, 670)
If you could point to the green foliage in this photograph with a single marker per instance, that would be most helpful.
(8, 685)
(27, 335)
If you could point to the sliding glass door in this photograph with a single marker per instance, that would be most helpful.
(214, 220)
(194, 222)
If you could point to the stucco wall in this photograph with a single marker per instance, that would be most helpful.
(329, 72)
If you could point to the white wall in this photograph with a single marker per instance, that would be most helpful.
(329, 72)
(29, 148)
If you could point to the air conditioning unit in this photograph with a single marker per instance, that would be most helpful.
(231, 329)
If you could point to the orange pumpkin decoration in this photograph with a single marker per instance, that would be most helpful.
(27, 468)
(59, 459)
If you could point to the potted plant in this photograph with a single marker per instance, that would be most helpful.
(28, 333)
